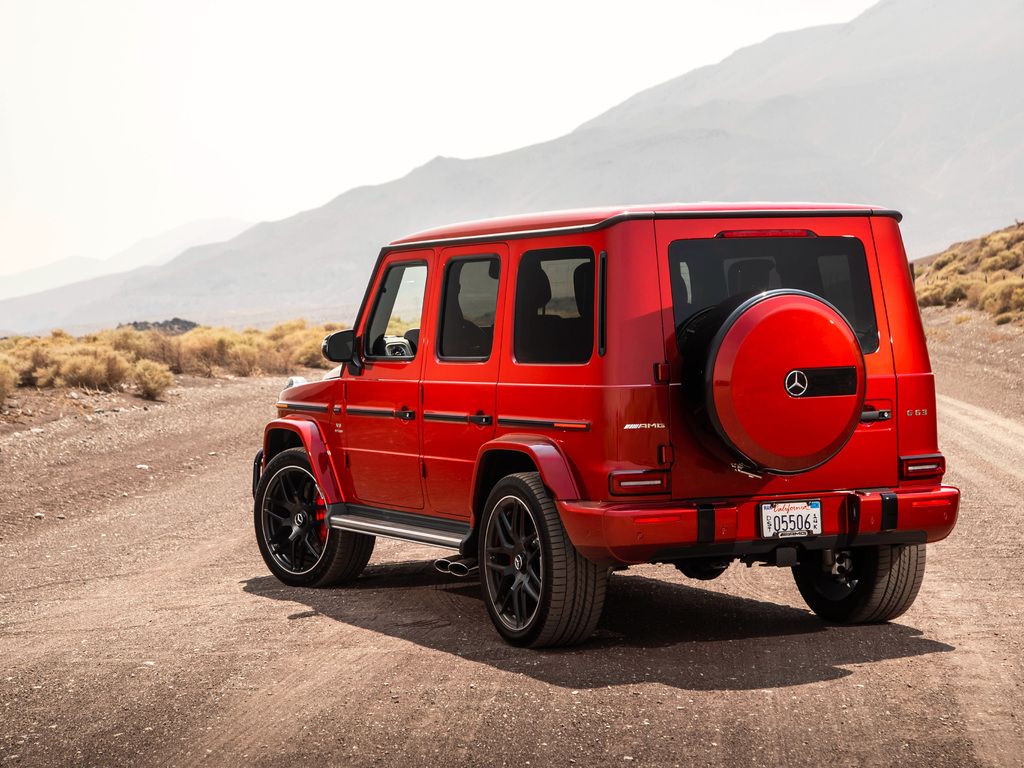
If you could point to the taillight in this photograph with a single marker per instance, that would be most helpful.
(916, 467)
(766, 233)
(634, 482)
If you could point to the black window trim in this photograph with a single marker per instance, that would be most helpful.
(469, 257)
(867, 271)
(602, 302)
(515, 296)
(419, 262)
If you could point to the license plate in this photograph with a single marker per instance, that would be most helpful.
(785, 519)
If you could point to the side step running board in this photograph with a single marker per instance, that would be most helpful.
(419, 529)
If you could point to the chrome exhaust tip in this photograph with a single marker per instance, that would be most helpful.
(443, 565)
(462, 568)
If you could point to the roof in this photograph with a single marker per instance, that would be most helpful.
(595, 218)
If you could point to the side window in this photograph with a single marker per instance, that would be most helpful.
(467, 309)
(394, 327)
(554, 320)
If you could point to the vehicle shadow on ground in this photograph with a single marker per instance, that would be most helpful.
(651, 631)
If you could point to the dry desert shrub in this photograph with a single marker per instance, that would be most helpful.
(986, 273)
(109, 359)
(8, 378)
(204, 350)
(1004, 296)
(92, 368)
(302, 342)
(152, 378)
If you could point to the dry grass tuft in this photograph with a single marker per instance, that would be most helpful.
(8, 379)
(151, 378)
(986, 274)
(146, 359)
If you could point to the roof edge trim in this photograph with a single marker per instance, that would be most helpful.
(640, 216)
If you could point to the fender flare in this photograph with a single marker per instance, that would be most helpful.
(316, 448)
(551, 463)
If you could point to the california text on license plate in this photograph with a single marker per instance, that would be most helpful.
(783, 519)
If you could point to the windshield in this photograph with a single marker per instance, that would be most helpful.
(709, 271)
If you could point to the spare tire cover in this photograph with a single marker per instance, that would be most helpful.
(784, 381)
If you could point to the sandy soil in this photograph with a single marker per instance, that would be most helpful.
(138, 625)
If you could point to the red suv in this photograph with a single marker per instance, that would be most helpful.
(558, 395)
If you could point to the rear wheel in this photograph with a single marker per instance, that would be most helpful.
(865, 585)
(702, 568)
(539, 591)
(290, 515)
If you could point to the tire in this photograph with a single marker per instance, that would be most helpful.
(883, 583)
(702, 568)
(290, 519)
(554, 596)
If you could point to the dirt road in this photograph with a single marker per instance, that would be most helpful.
(143, 629)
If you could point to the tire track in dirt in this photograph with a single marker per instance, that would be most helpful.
(985, 454)
(404, 668)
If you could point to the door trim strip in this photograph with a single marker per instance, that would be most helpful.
(358, 410)
(563, 424)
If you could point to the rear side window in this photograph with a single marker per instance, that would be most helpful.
(554, 320)
(468, 307)
(709, 271)
(394, 328)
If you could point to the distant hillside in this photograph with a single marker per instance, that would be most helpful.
(914, 105)
(986, 273)
(152, 251)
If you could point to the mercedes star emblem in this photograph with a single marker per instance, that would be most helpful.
(796, 383)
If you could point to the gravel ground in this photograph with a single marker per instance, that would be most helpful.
(138, 625)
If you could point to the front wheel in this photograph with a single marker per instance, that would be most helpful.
(865, 585)
(294, 538)
(539, 591)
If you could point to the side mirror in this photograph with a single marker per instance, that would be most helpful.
(339, 347)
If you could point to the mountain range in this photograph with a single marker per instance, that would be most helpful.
(149, 252)
(915, 105)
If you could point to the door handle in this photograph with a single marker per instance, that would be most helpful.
(480, 419)
(873, 415)
(405, 414)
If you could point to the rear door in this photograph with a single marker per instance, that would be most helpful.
(461, 372)
(703, 262)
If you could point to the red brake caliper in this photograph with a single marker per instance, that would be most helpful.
(321, 518)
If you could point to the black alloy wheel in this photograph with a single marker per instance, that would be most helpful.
(292, 531)
(538, 590)
(514, 564)
(294, 520)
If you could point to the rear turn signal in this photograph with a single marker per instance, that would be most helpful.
(915, 467)
(632, 483)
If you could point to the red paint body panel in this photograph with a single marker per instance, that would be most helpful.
(623, 533)
(623, 411)
(546, 455)
(316, 447)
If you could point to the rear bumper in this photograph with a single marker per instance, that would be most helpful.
(612, 532)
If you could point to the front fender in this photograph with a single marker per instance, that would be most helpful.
(308, 432)
(551, 463)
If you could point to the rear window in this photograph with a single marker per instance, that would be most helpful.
(707, 272)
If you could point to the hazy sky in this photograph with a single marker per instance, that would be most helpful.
(120, 119)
